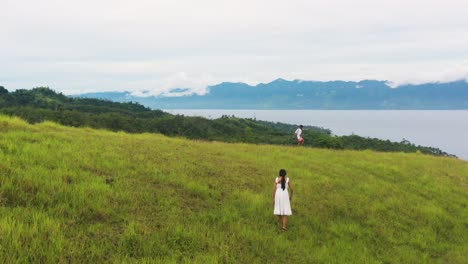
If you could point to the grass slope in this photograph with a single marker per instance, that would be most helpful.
(83, 195)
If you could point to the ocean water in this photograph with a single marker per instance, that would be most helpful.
(446, 129)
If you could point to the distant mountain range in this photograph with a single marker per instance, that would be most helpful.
(283, 94)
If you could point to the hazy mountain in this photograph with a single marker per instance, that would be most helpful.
(283, 94)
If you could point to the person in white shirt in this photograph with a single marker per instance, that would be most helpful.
(298, 134)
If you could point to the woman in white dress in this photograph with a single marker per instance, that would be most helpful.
(282, 198)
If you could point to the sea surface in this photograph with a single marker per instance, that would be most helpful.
(443, 129)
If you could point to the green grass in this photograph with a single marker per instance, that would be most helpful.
(92, 196)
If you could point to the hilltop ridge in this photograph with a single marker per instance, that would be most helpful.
(41, 103)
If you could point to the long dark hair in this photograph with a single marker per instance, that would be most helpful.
(282, 173)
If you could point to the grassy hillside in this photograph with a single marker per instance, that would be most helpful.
(92, 196)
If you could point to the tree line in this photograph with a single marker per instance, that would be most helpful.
(41, 104)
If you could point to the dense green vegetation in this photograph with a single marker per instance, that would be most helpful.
(42, 104)
(79, 195)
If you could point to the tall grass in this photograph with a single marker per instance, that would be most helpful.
(84, 195)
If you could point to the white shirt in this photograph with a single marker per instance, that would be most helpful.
(298, 133)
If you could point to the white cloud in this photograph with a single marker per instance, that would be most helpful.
(455, 73)
(166, 87)
(158, 45)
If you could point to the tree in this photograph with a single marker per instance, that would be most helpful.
(332, 142)
(3, 90)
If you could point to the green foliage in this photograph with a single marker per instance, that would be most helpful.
(79, 195)
(361, 143)
(331, 142)
(3, 91)
(41, 104)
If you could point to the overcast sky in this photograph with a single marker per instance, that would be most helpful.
(155, 45)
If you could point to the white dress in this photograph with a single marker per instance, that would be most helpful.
(282, 204)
